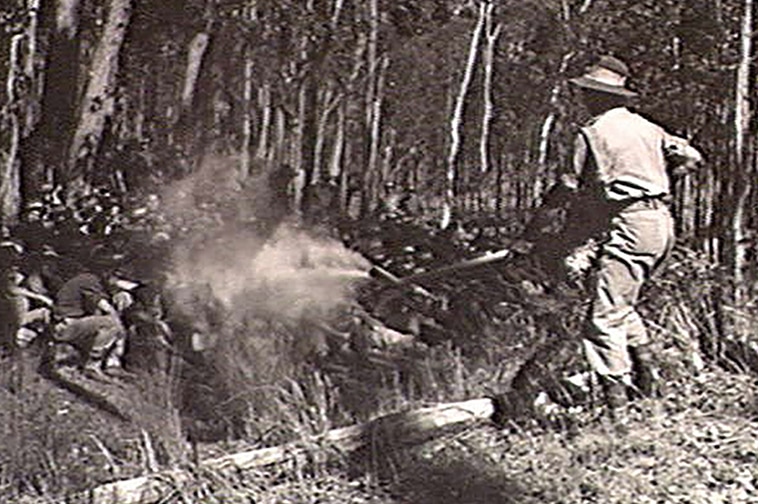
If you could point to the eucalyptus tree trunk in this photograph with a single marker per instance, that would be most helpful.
(247, 117)
(344, 147)
(337, 165)
(97, 104)
(67, 17)
(30, 67)
(278, 152)
(337, 10)
(31, 155)
(743, 178)
(338, 148)
(264, 128)
(49, 142)
(547, 125)
(491, 35)
(371, 146)
(330, 101)
(309, 104)
(376, 133)
(10, 179)
(195, 54)
(457, 119)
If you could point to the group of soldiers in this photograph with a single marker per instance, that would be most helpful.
(63, 283)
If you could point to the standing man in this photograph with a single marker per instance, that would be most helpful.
(621, 166)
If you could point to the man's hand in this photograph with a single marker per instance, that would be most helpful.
(561, 193)
(108, 309)
(680, 156)
(580, 260)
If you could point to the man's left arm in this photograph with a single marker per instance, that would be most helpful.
(680, 155)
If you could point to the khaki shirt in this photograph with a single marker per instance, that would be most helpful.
(629, 155)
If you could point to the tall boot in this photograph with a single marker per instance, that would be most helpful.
(616, 399)
(614, 392)
(645, 375)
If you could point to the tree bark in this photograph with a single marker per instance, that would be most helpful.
(195, 55)
(30, 68)
(742, 123)
(31, 154)
(338, 4)
(45, 151)
(376, 130)
(491, 35)
(309, 103)
(264, 102)
(247, 117)
(335, 167)
(371, 146)
(97, 104)
(547, 125)
(10, 177)
(330, 103)
(66, 17)
(457, 119)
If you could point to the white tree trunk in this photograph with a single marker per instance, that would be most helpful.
(547, 125)
(492, 34)
(335, 167)
(372, 157)
(30, 67)
(457, 119)
(338, 4)
(195, 55)
(330, 102)
(742, 91)
(98, 101)
(264, 102)
(247, 117)
(376, 121)
(10, 177)
(278, 152)
(741, 126)
(66, 17)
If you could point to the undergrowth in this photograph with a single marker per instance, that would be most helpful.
(288, 381)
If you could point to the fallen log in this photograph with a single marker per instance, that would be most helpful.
(398, 428)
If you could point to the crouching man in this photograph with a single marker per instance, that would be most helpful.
(87, 321)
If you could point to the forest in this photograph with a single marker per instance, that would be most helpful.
(243, 157)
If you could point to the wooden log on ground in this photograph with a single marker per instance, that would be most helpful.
(406, 427)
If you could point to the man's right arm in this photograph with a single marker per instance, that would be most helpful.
(106, 307)
(567, 185)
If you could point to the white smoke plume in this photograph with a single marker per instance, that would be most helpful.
(291, 272)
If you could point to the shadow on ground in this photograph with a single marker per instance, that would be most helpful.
(455, 483)
(446, 473)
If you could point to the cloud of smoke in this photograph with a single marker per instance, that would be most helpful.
(288, 272)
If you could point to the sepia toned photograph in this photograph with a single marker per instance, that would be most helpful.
(378, 252)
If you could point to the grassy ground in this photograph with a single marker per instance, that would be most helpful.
(697, 444)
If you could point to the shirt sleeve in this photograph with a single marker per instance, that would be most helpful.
(570, 178)
(678, 151)
(92, 291)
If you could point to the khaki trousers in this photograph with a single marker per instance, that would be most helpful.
(98, 336)
(641, 237)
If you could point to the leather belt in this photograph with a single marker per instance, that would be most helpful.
(646, 203)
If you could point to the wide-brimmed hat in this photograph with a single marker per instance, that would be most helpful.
(608, 75)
